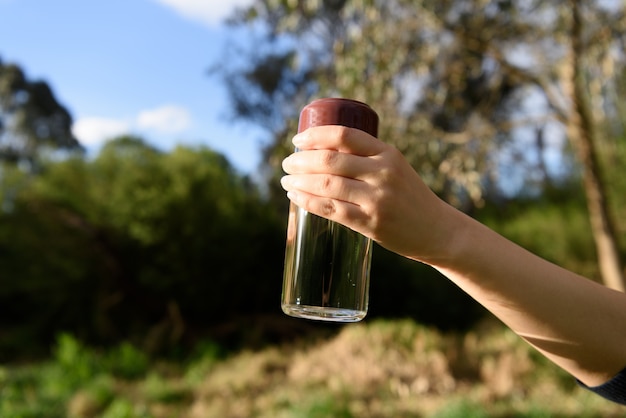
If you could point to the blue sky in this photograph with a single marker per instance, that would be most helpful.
(132, 66)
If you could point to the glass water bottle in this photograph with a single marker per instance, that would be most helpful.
(327, 265)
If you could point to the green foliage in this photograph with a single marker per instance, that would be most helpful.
(22, 393)
(31, 119)
(157, 388)
(613, 153)
(151, 247)
(557, 229)
(403, 288)
(75, 373)
(74, 361)
(207, 355)
(127, 362)
(137, 243)
(461, 409)
(322, 405)
(81, 381)
(123, 408)
(402, 370)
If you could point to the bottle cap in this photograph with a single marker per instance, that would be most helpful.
(336, 111)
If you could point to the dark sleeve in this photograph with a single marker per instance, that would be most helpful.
(613, 390)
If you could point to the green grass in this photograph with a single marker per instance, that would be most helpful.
(377, 369)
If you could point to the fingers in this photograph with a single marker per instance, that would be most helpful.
(339, 138)
(334, 150)
(327, 187)
(335, 175)
(327, 162)
(340, 211)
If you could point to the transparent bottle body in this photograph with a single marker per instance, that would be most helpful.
(327, 269)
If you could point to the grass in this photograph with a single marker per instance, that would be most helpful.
(374, 369)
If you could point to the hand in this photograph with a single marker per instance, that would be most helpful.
(350, 177)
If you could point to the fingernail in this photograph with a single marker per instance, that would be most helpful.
(292, 195)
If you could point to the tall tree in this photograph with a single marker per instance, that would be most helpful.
(455, 81)
(588, 43)
(443, 95)
(31, 118)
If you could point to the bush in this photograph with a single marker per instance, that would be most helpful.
(557, 230)
(135, 244)
(401, 288)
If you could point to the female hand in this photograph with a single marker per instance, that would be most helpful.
(350, 177)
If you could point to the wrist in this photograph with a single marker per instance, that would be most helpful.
(450, 235)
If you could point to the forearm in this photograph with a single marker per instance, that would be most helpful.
(577, 323)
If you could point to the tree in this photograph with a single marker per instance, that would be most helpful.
(135, 243)
(442, 96)
(31, 118)
(457, 82)
(588, 49)
(582, 130)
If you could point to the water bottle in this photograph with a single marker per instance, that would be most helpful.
(327, 265)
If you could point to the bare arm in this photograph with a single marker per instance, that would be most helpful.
(352, 178)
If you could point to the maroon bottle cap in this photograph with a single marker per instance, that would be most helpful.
(334, 111)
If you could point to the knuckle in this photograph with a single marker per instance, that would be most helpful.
(385, 173)
(374, 219)
(328, 158)
(328, 208)
(379, 211)
(325, 183)
(343, 133)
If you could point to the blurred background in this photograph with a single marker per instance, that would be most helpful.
(142, 226)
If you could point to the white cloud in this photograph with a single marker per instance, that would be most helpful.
(153, 124)
(208, 12)
(168, 119)
(94, 130)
